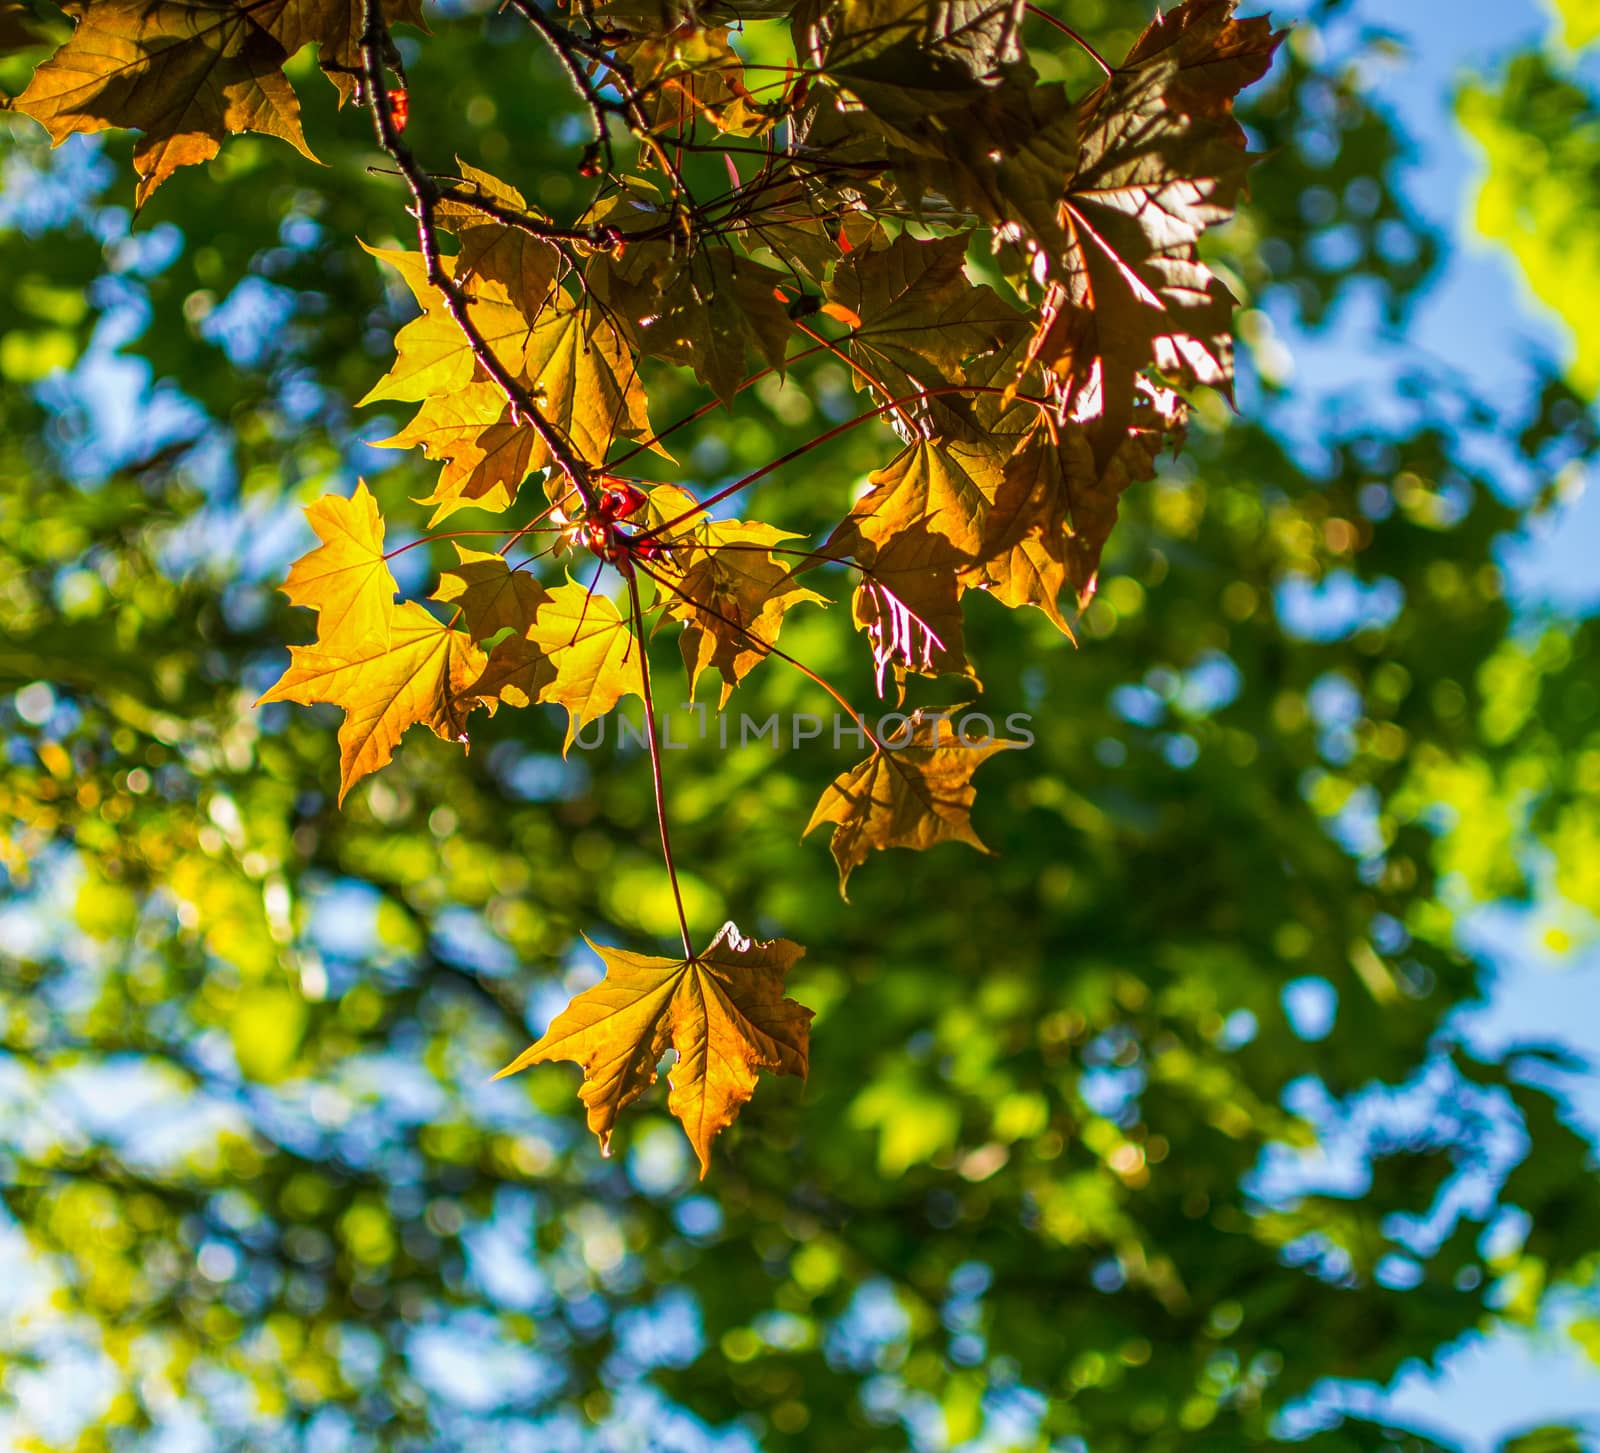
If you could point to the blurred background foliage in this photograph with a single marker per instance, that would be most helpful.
(1131, 1138)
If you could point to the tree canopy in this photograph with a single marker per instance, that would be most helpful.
(1050, 1164)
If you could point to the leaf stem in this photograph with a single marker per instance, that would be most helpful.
(826, 437)
(655, 752)
(1073, 35)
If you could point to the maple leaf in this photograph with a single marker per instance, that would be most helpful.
(1056, 505)
(524, 265)
(184, 72)
(435, 357)
(515, 674)
(732, 597)
(723, 1013)
(576, 371)
(914, 791)
(1023, 556)
(416, 671)
(335, 26)
(346, 579)
(921, 318)
(942, 486)
(691, 71)
(719, 309)
(491, 596)
(913, 534)
(592, 657)
(790, 226)
(1161, 161)
(485, 453)
(1217, 56)
(585, 382)
(907, 63)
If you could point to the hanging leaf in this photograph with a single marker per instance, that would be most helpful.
(494, 251)
(417, 671)
(722, 1012)
(347, 578)
(491, 596)
(486, 455)
(921, 319)
(435, 355)
(1162, 160)
(186, 73)
(732, 595)
(591, 653)
(914, 791)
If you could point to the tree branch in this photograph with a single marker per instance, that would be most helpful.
(426, 194)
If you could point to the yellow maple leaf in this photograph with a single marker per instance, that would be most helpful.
(523, 264)
(184, 72)
(433, 356)
(486, 456)
(346, 578)
(418, 671)
(591, 651)
(585, 381)
(722, 1011)
(914, 792)
(491, 595)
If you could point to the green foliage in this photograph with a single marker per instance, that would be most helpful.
(1540, 134)
(1579, 23)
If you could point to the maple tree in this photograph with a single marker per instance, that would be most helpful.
(1075, 1161)
(1011, 275)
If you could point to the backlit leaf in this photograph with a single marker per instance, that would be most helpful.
(347, 579)
(591, 651)
(491, 596)
(722, 1012)
(417, 671)
(184, 72)
(915, 791)
(732, 596)
(921, 319)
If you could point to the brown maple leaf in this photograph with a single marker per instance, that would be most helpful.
(186, 73)
(1161, 160)
(732, 595)
(1056, 504)
(495, 251)
(913, 534)
(914, 791)
(920, 319)
(722, 1012)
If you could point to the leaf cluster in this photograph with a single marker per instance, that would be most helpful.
(748, 218)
